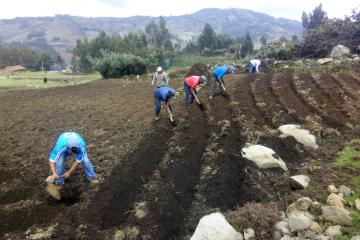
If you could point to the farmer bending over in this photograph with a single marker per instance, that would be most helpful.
(160, 78)
(190, 85)
(67, 144)
(163, 94)
(254, 66)
(219, 74)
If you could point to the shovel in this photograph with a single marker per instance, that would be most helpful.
(170, 115)
(51, 188)
(201, 106)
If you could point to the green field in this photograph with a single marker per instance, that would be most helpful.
(34, 80)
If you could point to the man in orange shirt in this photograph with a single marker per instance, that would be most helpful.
(190, 85)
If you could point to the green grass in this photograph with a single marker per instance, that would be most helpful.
(34, 80)
(350, 155)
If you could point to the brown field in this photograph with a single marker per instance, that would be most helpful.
(158, 178)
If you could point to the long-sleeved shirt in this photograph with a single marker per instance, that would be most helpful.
(65, 142)
(164, 93)
(220, 72)
(192, 81)
(160, 79)
(256, 63)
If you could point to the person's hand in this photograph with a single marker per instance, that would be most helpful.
(67, 174)
(55, 176)
(152, 83)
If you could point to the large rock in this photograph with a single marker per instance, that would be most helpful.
(339, 51)
(355, 237)
(345, 190)
(336, 215)
(215, 227)
(299, 181)
(333, 231)
(335, 200)
(323, 61)
(315, 227)
(263, 157)
(299, 220)
(332, 189)
(303, 136)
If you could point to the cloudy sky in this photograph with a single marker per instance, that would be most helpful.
(123, 8)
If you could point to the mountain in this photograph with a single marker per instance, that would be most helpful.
(61, 31)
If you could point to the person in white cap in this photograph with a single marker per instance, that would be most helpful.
(160, 78)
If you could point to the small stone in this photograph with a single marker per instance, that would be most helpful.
(332, 189)
(316, 208)
(303, 203)
(336, 215)
(249, 234)
(345, 190)
(282, 227)
(357, 204)
(322, 237)
(322, 61)
(299, 181)
(286, 237)
(333, 231)
(335, 200)
(310, 235)
(277, 235)
(315, 227)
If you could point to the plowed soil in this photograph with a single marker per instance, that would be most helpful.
(158, 179)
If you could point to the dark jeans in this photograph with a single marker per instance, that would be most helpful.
(214, 83)
(189, 98)
(158, 107)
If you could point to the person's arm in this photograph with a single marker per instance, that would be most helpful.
(53, 169)
(153, 80)
(73, 167)
(257, 68)
(166, 79)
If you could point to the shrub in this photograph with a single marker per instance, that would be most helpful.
(114, 65)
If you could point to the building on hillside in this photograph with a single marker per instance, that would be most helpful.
(16, 68)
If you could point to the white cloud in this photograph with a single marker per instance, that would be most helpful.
(123, 8)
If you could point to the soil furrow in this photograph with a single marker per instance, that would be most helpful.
(116, 197)
(167, 197)
(286, 95)
(269, 103)
(337, 121)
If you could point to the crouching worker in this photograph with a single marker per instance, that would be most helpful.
(67, 144)
(253, 66)
(219, 74)
(163, 94)
(190, 85)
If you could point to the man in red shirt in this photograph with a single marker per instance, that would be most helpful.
(190, 85)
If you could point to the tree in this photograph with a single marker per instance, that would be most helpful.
(207, 38)
(247, 46)
(305, 20)
(294, 39)
(152, 30)
(314, 19)
(263, 40)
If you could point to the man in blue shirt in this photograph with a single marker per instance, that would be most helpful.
(218, 74)
(67, 144)
(163, 94)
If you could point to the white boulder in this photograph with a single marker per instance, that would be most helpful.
(355, 237)
(303, 136)
(249, 234)
(215, 227)
(335, 200)
(322, 61)
(336, 215)
(345, 190)
(299, 181)
(339, 51)
(333, 231)
(299, 220)
(357, 204)
(263, 157)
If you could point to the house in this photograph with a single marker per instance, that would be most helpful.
(16, 68)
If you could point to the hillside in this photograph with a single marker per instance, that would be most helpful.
(62, 31)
